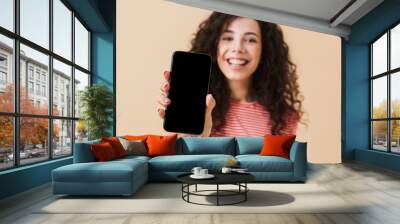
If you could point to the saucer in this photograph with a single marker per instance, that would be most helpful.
(208, 176)
(240, 171)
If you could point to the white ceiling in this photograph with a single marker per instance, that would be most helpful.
(325, 16)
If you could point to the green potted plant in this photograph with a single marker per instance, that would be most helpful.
(96, 102)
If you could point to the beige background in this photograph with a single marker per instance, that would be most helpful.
(150, 31)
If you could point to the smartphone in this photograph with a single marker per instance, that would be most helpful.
(189, 80)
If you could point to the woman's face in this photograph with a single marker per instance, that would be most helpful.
(239, 49)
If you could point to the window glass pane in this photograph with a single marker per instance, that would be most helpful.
(81, 81)
(379, 135)
(7, 14)
(379, 97)
(62, 138)
(6, 74)
(395, 94)
(395, 136)
(33, 139)
(81, 131)
(34, 78)
(35, 21)
(379, 55)
(81, 45)
(62, 29)
(395, 47)
(6, 142)
(62, 89)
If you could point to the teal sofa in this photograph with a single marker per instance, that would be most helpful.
(125, 176)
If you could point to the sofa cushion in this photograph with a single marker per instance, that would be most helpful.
(185, 163)
(132, 158)
(277, 145)
(103, 152)
(111, 171)
(134, 147)
(257, 163)
(208, 145)
(116, 145)
(136, 137)
(161, 145)
(249, 145)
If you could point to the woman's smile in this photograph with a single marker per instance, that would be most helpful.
(236, 64)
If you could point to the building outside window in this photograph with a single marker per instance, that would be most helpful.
(3, 78)
(44, 78)
(30, 87)
(55, 95)
(3, 72)
(3, 60)
(37, 74)
(38, 89)
(30, 72)
(43, 90)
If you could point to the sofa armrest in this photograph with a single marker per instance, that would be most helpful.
(83, 152)
(298, 155)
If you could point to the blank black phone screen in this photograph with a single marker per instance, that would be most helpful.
(189, 80)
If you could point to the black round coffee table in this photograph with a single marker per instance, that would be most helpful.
(238, 179)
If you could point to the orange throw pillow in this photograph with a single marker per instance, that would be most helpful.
(103, 152)
(277, 145)
(135, 138)
(116, 145)
(161, 145)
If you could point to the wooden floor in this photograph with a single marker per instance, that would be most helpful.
(354, 182)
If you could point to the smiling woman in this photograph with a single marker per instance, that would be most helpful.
(253, 80)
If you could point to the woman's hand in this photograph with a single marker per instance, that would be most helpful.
(210, 103)
(164, 101)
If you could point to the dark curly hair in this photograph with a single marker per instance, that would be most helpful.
(274, 83)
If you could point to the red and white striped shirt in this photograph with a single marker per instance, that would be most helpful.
(251, 119)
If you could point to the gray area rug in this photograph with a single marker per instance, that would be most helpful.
(166, 198)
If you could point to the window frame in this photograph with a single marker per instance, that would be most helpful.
(16, 115)
(388, 74)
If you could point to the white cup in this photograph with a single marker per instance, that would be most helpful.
(203, 172)
(196, 171)
(226, 170)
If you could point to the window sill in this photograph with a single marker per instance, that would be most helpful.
(381, 159)
(26, 167)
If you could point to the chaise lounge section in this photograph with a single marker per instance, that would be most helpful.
(125, 176)
(88, 177)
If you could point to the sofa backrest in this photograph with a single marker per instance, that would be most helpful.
(199, 145)
(83, 152)
(190, 146)
(249, 145)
